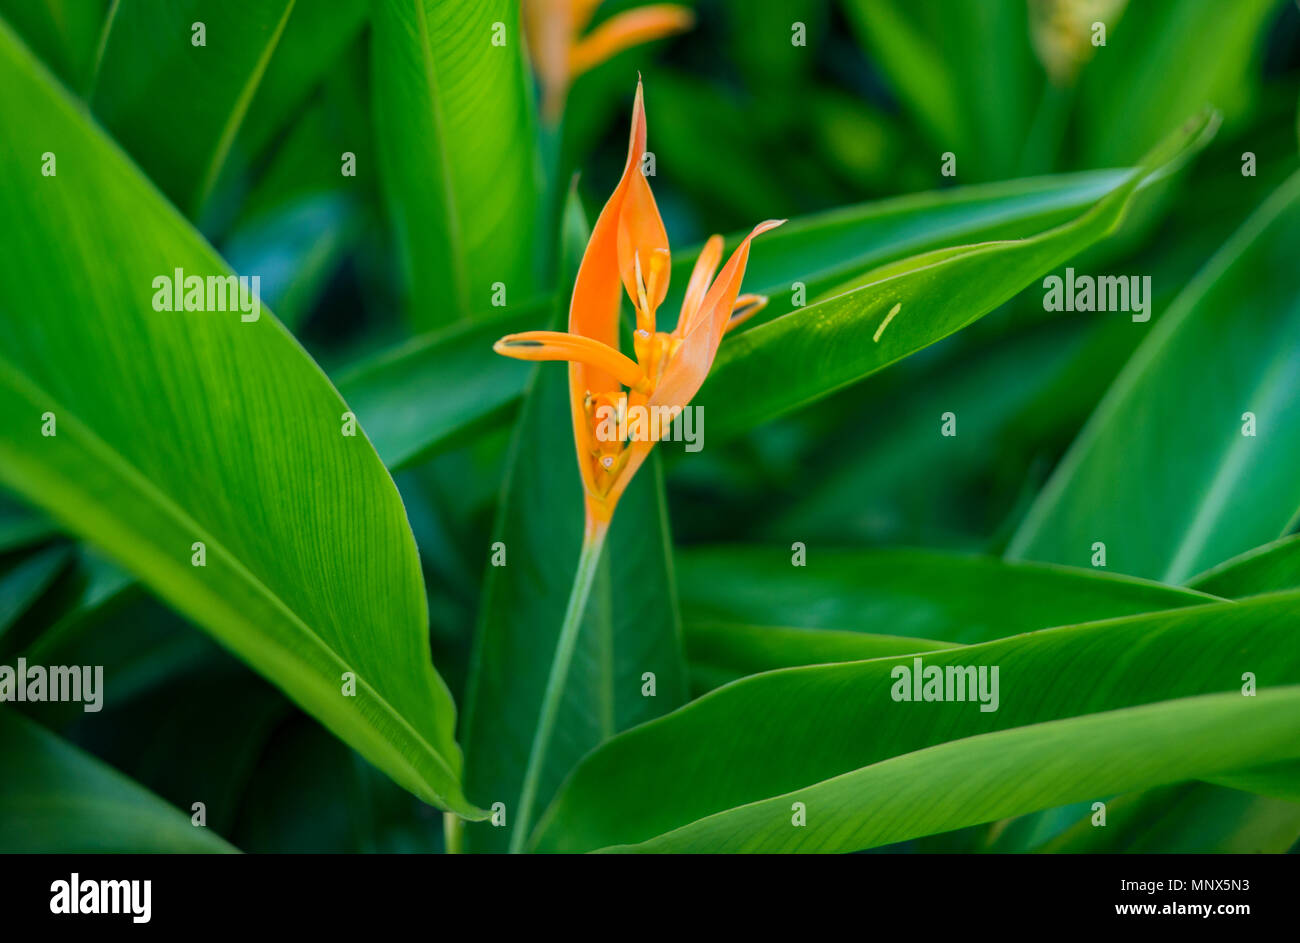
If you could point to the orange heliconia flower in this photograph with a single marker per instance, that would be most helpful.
(629, 246)
(560, 52)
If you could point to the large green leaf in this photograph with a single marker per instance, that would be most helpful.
(914, 593)
(177, 427)
(151, 68)
(457, 147)
(823, 250)
(1265, 569)
(866, 490)
(983, 778)
(55, 798)
(964, 68)
(720, 652)
(900, 308)
(873, 770)
(140, 643)
(314, 38)
(1203, 490)
(848, 605)
(1145, 64)
(631, 626)
(195, 737)
(427, 392)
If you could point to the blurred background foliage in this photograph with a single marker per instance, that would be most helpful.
(744, 125)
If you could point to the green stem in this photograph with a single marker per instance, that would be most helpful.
(453, 832)
(564, 648)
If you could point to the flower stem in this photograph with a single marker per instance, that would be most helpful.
(592, 544)
(453, 831)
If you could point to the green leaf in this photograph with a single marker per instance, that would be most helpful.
(196, 737)
(22, 525)
(631, 625)
(23, 580)
(64, 33)
(177, 427)
(58, 799)
(151, 67)
(964, 68)
(316, 35)
(431, 391)
(721, 652)
(823, 250)
(1145, 65)
(837, 606)
(1070, 725)
(1189, 818)
(1206, 491)
(1274, 566)
(144, 648)
(303, 216)
(984, 778)
(457, 141)
(350, 807)
(1015, 394)
(901, 308)
(912, 593)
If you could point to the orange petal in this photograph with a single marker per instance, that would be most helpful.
(641, 233)
(581, 11)
(557, 345)
(722, 294)
(625, 30)
(593, 311)
(549, 31)
(602, 507)
(701, 275)
(689, 366)
(746, 307)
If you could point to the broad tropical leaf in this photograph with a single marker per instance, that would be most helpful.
(1265, 569)
(179, 428)
(1113, 702)
(58, 799)
(915, 593)
(898, 309)
(1215, 445)
(456, 132)
(157, 61)
(430, 391)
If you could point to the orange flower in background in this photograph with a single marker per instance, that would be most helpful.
(560, 53)
(628, 251)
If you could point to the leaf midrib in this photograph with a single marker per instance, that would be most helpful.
(457, 250)
(237, 113)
